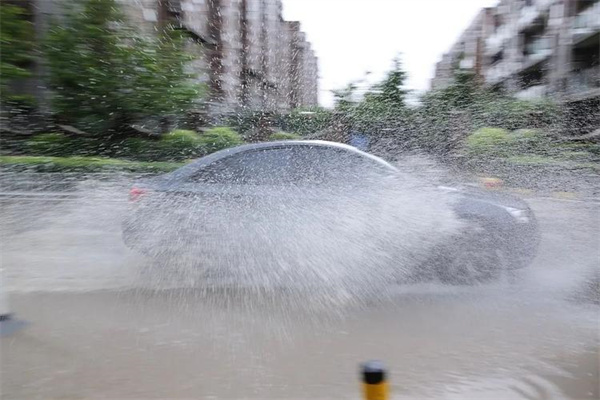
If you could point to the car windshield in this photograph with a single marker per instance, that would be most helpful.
(293, 199)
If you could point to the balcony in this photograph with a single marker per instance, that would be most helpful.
(584, 83)
(536, 50)
(527, 16)
(497, 73)
(467, 63)
(174, 7)
(495, 42)
(586, 23)
(534, 14)
(532, 93)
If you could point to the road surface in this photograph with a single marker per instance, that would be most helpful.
(103, 324)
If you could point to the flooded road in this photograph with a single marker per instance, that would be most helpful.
(101, 326)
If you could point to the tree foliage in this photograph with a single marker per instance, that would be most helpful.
(390, 91)
(219, 138)
(307, 121)
(284, 136)
(105, 75)
(382, 104)
(16, 46)
(344, 99)
(448, 115)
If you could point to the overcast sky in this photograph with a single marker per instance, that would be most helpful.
(352, 37)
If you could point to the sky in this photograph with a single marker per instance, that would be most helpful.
(354, 37)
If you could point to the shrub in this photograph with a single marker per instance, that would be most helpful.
(83, 164)
(49, 144)
(284, 136)
(306, 121)
(488, 142)
(139, 149)
(179, 144)
(181, 136)
(528, 141)
(219, 138)
(57, 144)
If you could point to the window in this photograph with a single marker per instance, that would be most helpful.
(497, 22)
(301, 165)
(255, 167)
(329, 166)
(499, 56)
(582, 5)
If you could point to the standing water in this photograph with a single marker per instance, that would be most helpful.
(323, 290)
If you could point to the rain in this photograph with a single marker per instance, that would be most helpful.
(193, 206)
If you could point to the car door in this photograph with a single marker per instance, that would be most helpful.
(340, 188)
(238, 195)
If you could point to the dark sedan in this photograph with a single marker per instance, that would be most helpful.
(255, 182)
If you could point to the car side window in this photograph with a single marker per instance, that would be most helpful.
(321, 165)
(253, 167)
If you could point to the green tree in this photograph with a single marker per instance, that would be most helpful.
(390, 91)
(308, 120)
(461, 94)
(344, 98)
(16, 47)
(104, 75)
(382, 103)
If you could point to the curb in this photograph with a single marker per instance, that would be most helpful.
(558, 196)
(490, 183)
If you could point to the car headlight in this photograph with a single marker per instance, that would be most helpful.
(521, 216)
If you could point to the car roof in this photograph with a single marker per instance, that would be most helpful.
(216, 156)
(289, 143)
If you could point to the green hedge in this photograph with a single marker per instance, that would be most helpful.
(57, 144)
(530, 141)
(219, 138)
(84, 164)
(174, 146)
(487, 146)
(177, 145)
(284, 136)
(488, 142)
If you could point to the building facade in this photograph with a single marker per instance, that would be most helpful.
(532, 49)
(243, 50)
(466, 53)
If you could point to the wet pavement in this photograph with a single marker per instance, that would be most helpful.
(101, 326)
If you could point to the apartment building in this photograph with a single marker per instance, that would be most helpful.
(533, 49)
(247, 53)
(243, 50)
(302, 91)
(466, 53)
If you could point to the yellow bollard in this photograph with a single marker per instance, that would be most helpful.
(375, 386)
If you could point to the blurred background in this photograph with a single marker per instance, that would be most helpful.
(98, 94)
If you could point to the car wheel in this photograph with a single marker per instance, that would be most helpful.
(471, 258)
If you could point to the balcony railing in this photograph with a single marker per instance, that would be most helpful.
(497, 73)
(588, 19)
(584, 80)
(527, 15)
(467, 63)
(174, 6)
(496, 41)
(541, 46)
(532, 93)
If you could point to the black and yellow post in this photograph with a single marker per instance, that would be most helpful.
(374, 381)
